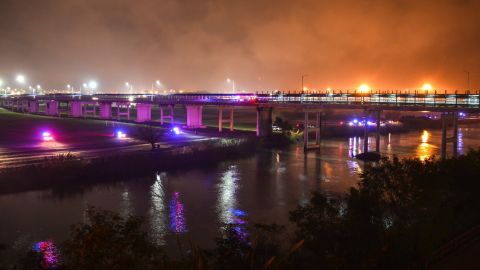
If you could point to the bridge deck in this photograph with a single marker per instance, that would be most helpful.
(381, 101)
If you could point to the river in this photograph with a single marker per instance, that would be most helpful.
(260, 189)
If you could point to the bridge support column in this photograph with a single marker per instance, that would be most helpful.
(33, 106)
(264, 121)
(163, 116)
(106, 110)
(52, 108)
(365, 134)
(221, 121)
(307, 128)
(194, 116)
(445, 138)
(89, 110)
(124, 113)
(24, 105)
(75, 108)
(144, 112)
(377, 132)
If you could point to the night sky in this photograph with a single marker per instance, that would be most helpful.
(196, 45)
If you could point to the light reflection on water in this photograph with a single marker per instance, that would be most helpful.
(157, 210)
(227, 206)
(262, 188)
(177, 214)
(425, 149)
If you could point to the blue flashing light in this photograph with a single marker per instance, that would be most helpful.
(176, 130)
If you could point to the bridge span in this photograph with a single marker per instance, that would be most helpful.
(449, 105)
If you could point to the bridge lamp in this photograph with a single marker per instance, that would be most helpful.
(364, 88)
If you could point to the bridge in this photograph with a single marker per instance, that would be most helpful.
(373, 103)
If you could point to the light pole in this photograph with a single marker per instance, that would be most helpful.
(39, 88)
(303, 78)
(233, 84)
(468, 79)
(20, 79)
(157, 84)
(129, 87)
(92, 85)
(1, 84)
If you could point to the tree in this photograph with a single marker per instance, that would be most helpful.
(148, 133)
(109, 241)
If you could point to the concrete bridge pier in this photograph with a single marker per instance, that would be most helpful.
(221, 121)
(264, 121)
(105, 110)
(87, 109)
(33, 106)
(308, 127)
(163, 116)
(120, 113)
(194, 116)
(52, 108)
(24, 106)
(75, 108)
(377, 131)
(445, 139)
(144, 112)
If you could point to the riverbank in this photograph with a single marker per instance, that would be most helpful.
(70, 172)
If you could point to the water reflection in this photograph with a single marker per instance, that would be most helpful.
(48, 252)
(126, 203)
(157, 211)
(177, 215)
(354, 146)
(460, 141)
(425, 149)
(227, 203)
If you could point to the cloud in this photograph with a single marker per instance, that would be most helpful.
(191, 44)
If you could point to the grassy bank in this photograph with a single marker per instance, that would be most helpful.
(68, 171)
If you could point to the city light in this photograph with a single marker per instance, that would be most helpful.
(20, 79)
(92, 84)
(427, 87)
(364, 88)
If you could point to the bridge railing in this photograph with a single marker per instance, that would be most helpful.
(384, 99)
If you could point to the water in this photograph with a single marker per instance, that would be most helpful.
(262, 188)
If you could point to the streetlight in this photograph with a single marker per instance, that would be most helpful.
(92, 85)
(157, 84)
(303, 76)
(20, 79)
(233, 84)
(129, 87)
(39, 88)
(1, 84)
